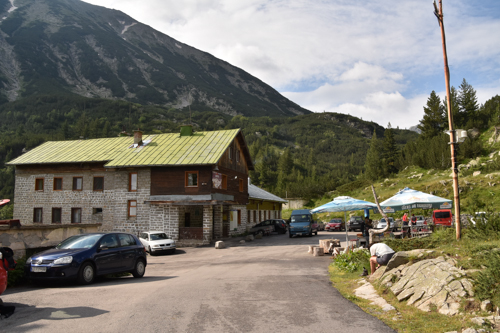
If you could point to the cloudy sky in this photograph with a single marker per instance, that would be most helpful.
(377, 60)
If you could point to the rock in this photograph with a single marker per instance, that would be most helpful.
(220, 245)
(250, 238)
(318, 252)
(478, 320)
(473, 132)
(399, 258)
(476, 173)
(468, 286)
(242, 241)
(469, 330)
(388, 307)
(486, 305)
(258, 236)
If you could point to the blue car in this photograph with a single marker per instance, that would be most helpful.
(83, 257)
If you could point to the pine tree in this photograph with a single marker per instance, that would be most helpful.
(106, 129)
(434, 118)
(457, 120)
(468, 106)
(65, 130)
(389, 152)
(373, 169)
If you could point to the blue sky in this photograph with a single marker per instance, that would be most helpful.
(376, 60)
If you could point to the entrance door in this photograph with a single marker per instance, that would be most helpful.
(187, 220)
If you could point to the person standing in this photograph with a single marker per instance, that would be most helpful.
(406, 229)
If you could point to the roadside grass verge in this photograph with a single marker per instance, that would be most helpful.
(479, 249)
(406, 318)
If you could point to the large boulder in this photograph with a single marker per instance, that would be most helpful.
(430, 282)
(220, 245)
(398, 259)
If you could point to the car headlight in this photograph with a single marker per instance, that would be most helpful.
(28, 261)
(63, 260)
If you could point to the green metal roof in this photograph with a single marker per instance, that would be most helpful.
(164, 149)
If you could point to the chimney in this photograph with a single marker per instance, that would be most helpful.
(186, 130)
(138, 137)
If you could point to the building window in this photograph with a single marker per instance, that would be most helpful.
(76, 215)
(191, 178)
(132, 181)
(39, 184)
(96, 210)
(98, 183)
(239, 217)
(38, 215)
(58, 183)
(77, 183)
(56, 215)
(237, 156)
(230, 152)
(132, 208)
(241, 185)
(224, 182)
(254, 216)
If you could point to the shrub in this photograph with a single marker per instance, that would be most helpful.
(352, 261)
(487, 283)
(16, 276)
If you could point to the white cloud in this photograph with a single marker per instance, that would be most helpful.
(372, 58)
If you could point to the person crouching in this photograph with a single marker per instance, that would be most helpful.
(380, 255)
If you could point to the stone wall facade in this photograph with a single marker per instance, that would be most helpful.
(109, 208)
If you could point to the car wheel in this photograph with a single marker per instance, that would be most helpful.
(86, 275)
(151, 253)
(316, 233)
(139, 269)
(260, 232)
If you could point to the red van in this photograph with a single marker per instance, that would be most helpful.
(442, 217)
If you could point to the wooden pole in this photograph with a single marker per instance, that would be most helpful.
(371, 232)
(453, 141)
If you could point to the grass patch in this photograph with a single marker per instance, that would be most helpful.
(406, 318)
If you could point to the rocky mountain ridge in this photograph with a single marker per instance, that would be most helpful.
(71, 47)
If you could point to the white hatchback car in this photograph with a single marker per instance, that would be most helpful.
(157, 242)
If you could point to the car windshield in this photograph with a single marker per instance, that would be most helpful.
(336, 221)
(383, 220)
(158, 236)
(79, 242)
(301, 218)
(357, 219)
(442, 215)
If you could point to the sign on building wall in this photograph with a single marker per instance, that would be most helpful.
(216, 180)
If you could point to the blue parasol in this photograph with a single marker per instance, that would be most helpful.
(344, 204)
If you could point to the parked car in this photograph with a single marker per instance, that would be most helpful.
(479, 216)
(302, 223)
(420, 221)
(83, 257)
(335, 225)
(321, 226)
(383, 223)
(442, 217)
(355, 222)
(157, 242)
(263, 228)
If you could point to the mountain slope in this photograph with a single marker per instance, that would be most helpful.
(71, 47)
